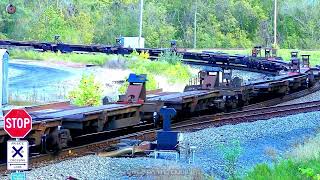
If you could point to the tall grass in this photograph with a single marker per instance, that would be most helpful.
(175, 73)
(286, 170)
(310, 149)
(96, 59)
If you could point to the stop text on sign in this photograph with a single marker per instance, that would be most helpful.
(17, 122)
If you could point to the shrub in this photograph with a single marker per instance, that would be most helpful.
(170, 57)
(117, 62)
(173, 72)
(286, 170)
(231, 153)
(88, 93)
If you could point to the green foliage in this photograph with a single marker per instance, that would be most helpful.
(134, 54)
(308, 172)
(303, 163)
(123, 88)
(170, 57)
(173, 72)
(142, 55)
(263, 171)
(88, 93)
(231, 153)
(286, 170)
(168, 66)
(220, 23)
(97, 59)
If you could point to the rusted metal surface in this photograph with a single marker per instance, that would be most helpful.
(177, 96)
(82, 110)
(54, 105)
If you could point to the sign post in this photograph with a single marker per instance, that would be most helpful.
(17, 123)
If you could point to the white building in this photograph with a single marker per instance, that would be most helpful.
(132, 42)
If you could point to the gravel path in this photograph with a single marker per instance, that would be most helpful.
(260, 141)
(100, 168)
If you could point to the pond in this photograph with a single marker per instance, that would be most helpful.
(37, 83)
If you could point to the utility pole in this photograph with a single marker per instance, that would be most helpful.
(140, 26)
(275, 24)
(195, 26)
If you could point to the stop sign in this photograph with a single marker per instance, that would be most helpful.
(17, 123)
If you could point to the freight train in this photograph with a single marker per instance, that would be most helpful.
(268, 64)
(55, 126)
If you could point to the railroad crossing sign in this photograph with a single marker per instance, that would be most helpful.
(17, 155)
(17, 123)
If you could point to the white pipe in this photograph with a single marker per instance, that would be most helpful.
(275, 23)
(140, 25)
(195, 27)
(4, 61)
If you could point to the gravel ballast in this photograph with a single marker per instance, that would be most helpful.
(260, 141)
(311, 97)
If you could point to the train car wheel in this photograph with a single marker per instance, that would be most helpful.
(54, 142)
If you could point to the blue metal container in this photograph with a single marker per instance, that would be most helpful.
(167, 140)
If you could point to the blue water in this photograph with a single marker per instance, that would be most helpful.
(22, 76)
(37, 83)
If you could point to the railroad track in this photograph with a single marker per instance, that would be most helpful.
(192, 124)
(249, 115)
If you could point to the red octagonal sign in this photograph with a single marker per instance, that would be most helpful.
(17, 123)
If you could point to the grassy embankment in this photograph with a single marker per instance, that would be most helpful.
(303, 163)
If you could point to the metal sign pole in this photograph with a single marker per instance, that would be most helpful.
(17, 139)
(1, 83)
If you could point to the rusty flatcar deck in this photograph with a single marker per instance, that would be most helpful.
(63, 113)
(178, 96)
